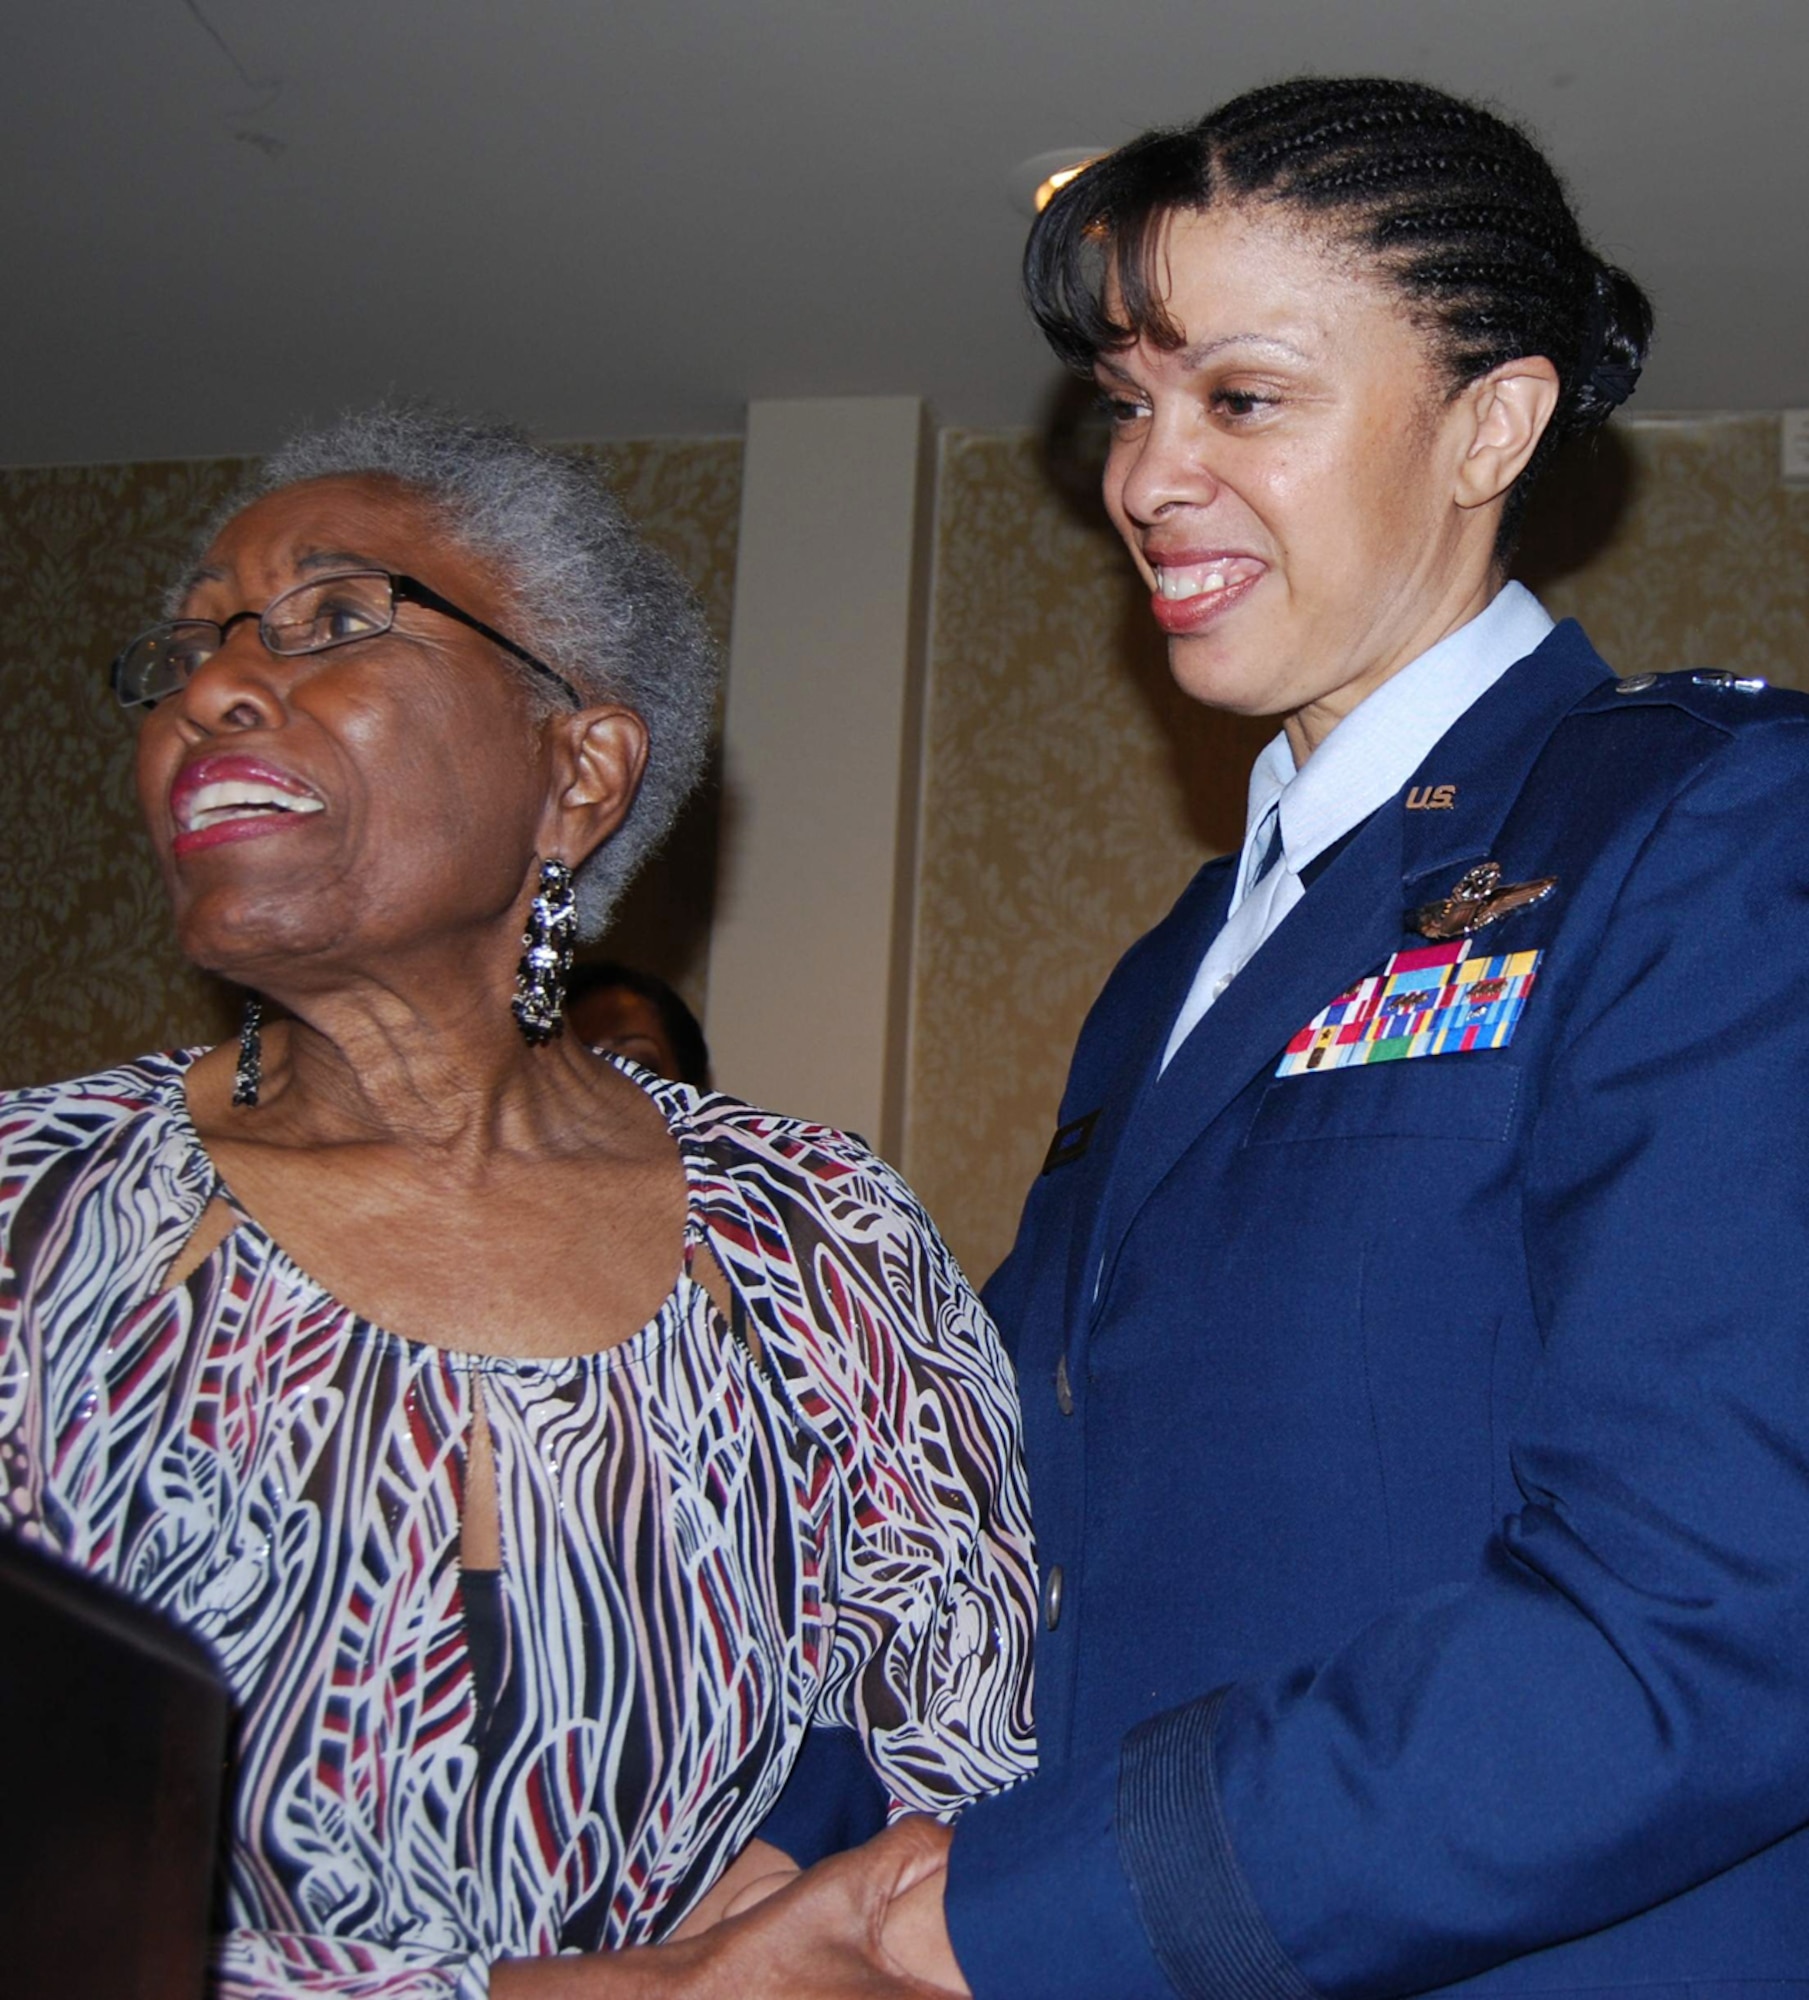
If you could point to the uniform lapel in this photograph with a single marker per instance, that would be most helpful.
(1486, 757)
(1349, 921)
(1189, 929)
(1339, 929)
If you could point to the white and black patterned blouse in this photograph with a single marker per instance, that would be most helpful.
(702, 1551)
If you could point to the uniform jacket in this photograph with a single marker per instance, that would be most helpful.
(1420, 1449)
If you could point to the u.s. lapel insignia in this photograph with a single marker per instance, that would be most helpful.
(1433, 1002)
(1478, 899)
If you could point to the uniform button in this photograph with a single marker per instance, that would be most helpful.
(1064, 1393)
(1635, 683)
(1052, 1597)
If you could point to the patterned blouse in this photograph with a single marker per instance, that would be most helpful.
(708, 1538)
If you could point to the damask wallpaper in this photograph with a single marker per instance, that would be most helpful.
(1070, 791)
(1676, 544)
(91, 973)
(685, 494)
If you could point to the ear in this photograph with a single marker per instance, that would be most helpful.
(598, 757)
(1508, 410)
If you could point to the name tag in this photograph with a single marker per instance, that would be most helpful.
(1443, 1000)
(1070, 1142)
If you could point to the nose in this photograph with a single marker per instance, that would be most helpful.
(1162, 465)
(239, 687)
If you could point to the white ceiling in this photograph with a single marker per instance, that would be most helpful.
(622, 220)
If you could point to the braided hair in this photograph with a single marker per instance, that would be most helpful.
(1453, 206)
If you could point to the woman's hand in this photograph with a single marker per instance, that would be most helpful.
(866, 1925)
(758, 1871)
(914, 1930)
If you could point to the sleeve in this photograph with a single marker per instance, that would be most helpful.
(91, 1213)
(1038, 1902)
(1616, 1707)
(831, 1801)
(273, 1965)
(936, 1619)
(894, 1363)
(57, 1244)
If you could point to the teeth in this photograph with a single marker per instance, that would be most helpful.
(1177, 585)
(233, 799)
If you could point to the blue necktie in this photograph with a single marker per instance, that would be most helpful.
(1269, 846)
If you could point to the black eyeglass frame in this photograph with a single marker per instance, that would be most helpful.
(403, 589)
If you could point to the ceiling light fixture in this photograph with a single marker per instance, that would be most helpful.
(1035, 182)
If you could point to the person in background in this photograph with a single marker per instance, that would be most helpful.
(1409, 1314)
(618, 1011)
(542, 1448)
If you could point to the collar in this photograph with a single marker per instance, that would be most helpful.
(1383, 741)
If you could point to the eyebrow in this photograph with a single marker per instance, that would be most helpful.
(315, 559)
(1203, 351)
(1193, 357)
(337, 559)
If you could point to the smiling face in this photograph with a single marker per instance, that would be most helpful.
(337, 812)
(1287, 479)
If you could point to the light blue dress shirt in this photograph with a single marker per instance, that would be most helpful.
(1363, 763)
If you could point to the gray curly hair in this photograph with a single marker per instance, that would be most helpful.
(591, 598)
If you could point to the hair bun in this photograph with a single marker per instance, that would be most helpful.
(1617, 331)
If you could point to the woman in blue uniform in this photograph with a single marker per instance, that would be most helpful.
(1410, 1315)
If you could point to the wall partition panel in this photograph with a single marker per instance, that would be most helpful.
(810, 956)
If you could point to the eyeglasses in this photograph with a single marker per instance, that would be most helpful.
(314, 617)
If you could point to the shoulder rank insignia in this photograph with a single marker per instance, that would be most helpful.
(1718, 678)
(1480, 898)
(1433, 1002)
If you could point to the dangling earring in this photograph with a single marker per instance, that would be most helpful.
(540, 977)
(250, 1072)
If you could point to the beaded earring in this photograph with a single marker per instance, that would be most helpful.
(540, 977)
(249, 1074)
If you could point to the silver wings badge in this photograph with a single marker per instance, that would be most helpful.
(1478, 899)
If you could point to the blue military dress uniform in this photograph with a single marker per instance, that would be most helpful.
(1420, 1446)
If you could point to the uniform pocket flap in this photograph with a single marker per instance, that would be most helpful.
(1466, 1096)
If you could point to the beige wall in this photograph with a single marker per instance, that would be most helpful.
(88, 971)
(1067, 791)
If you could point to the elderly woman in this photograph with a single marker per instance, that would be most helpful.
(539, 1446)
(1410, 1313)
